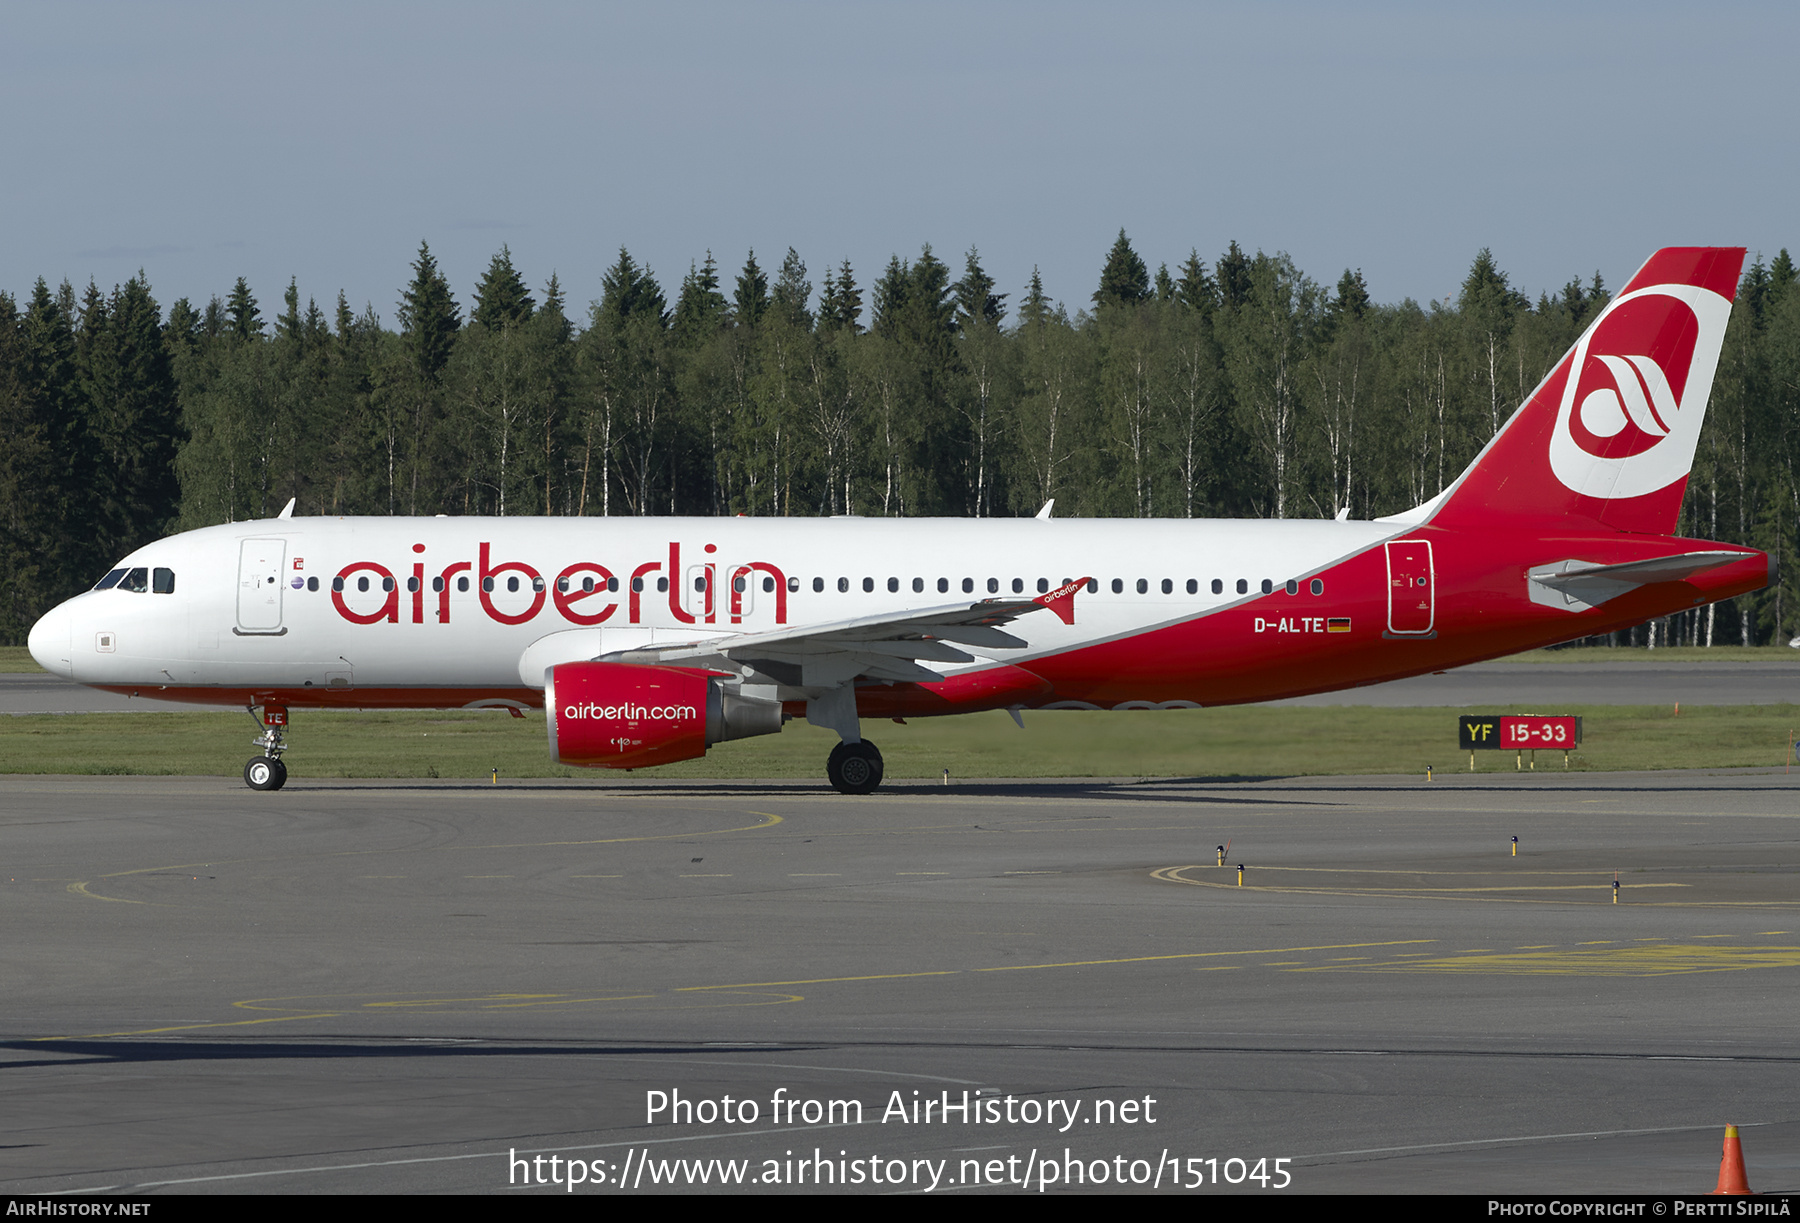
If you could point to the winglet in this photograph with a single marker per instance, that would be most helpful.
(1062, 599)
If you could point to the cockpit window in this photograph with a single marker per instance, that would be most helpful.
(137, 581)
(162, 582)
(110, 580)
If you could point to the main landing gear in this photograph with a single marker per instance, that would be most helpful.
(267, 772)
(854, 768)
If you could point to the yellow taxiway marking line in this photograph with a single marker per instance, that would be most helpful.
(880, 976)
(1661, 961)
(596, 876)
(1134, 959)
(191, 1027)
(81, 889)
(703, 876)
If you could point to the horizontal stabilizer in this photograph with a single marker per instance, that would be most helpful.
(1577, 585)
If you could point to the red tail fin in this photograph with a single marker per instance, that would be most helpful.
(1610, 434)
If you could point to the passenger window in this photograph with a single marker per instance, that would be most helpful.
(437, 585)
(793, 585)
(893, 586)
(412, 585)
(868, 585)
(918, 586)
(768, 585)
(1193, 587)
(993, 586)
(637, 586)
(1293, 587)
(1318, 587)
(1267, 586)
(1043, 586)
(1093, 586)
(1118, 586)
(137, 581)
(662, 586)
(1218, 587)
(737, 584)
(818, 585)
(1143, 586)
(363, 583)
(1243, 587)
(387, 583)
(512, 585)
(943, 586)
(110, 580)
(537, 584)
(487, 584)
(462, 585)
(337, 585)
(587, 585)
(1018, 586)
(313, 583)
(843, 586)
(968, 586)
(700, 583)
(162, 581)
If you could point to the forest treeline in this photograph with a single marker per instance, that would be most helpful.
(1239, 388)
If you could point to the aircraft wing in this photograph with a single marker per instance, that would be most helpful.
(883, 646)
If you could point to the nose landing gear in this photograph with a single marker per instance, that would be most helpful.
(267, 772)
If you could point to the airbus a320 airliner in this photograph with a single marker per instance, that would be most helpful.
(647, 640)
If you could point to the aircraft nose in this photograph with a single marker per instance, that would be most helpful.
(49, 642)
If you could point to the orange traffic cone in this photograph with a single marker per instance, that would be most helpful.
(1732, 1180)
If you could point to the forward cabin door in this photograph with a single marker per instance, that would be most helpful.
(260, 564)
(1411, 601)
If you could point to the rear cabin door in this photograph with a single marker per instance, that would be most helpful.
(1411, 608)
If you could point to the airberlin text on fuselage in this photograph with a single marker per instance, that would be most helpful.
(586, 593)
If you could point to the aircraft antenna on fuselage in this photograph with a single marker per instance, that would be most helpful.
(287, 511)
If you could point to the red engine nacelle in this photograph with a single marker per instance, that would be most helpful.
(631, 716)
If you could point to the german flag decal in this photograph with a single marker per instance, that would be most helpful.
(1337, 624)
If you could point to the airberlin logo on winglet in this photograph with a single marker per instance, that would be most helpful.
(1635, 391)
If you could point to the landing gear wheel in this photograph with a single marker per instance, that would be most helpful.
(265, 773)
(854, 768)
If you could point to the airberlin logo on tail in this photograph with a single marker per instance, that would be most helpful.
(1632, 402)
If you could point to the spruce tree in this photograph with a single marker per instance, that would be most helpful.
(1352, 298)
(429, 317)
(501, 298)
(1194, 288)
(1125, 280)
(628, 292)
(752, 298)
(1035, 308)
(976, 301)
(890, 297)
(1234, 276)
(840, 307)
(700, 310)
(793, 291)
(241, 307)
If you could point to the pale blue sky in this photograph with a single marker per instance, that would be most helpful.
(202, 142)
